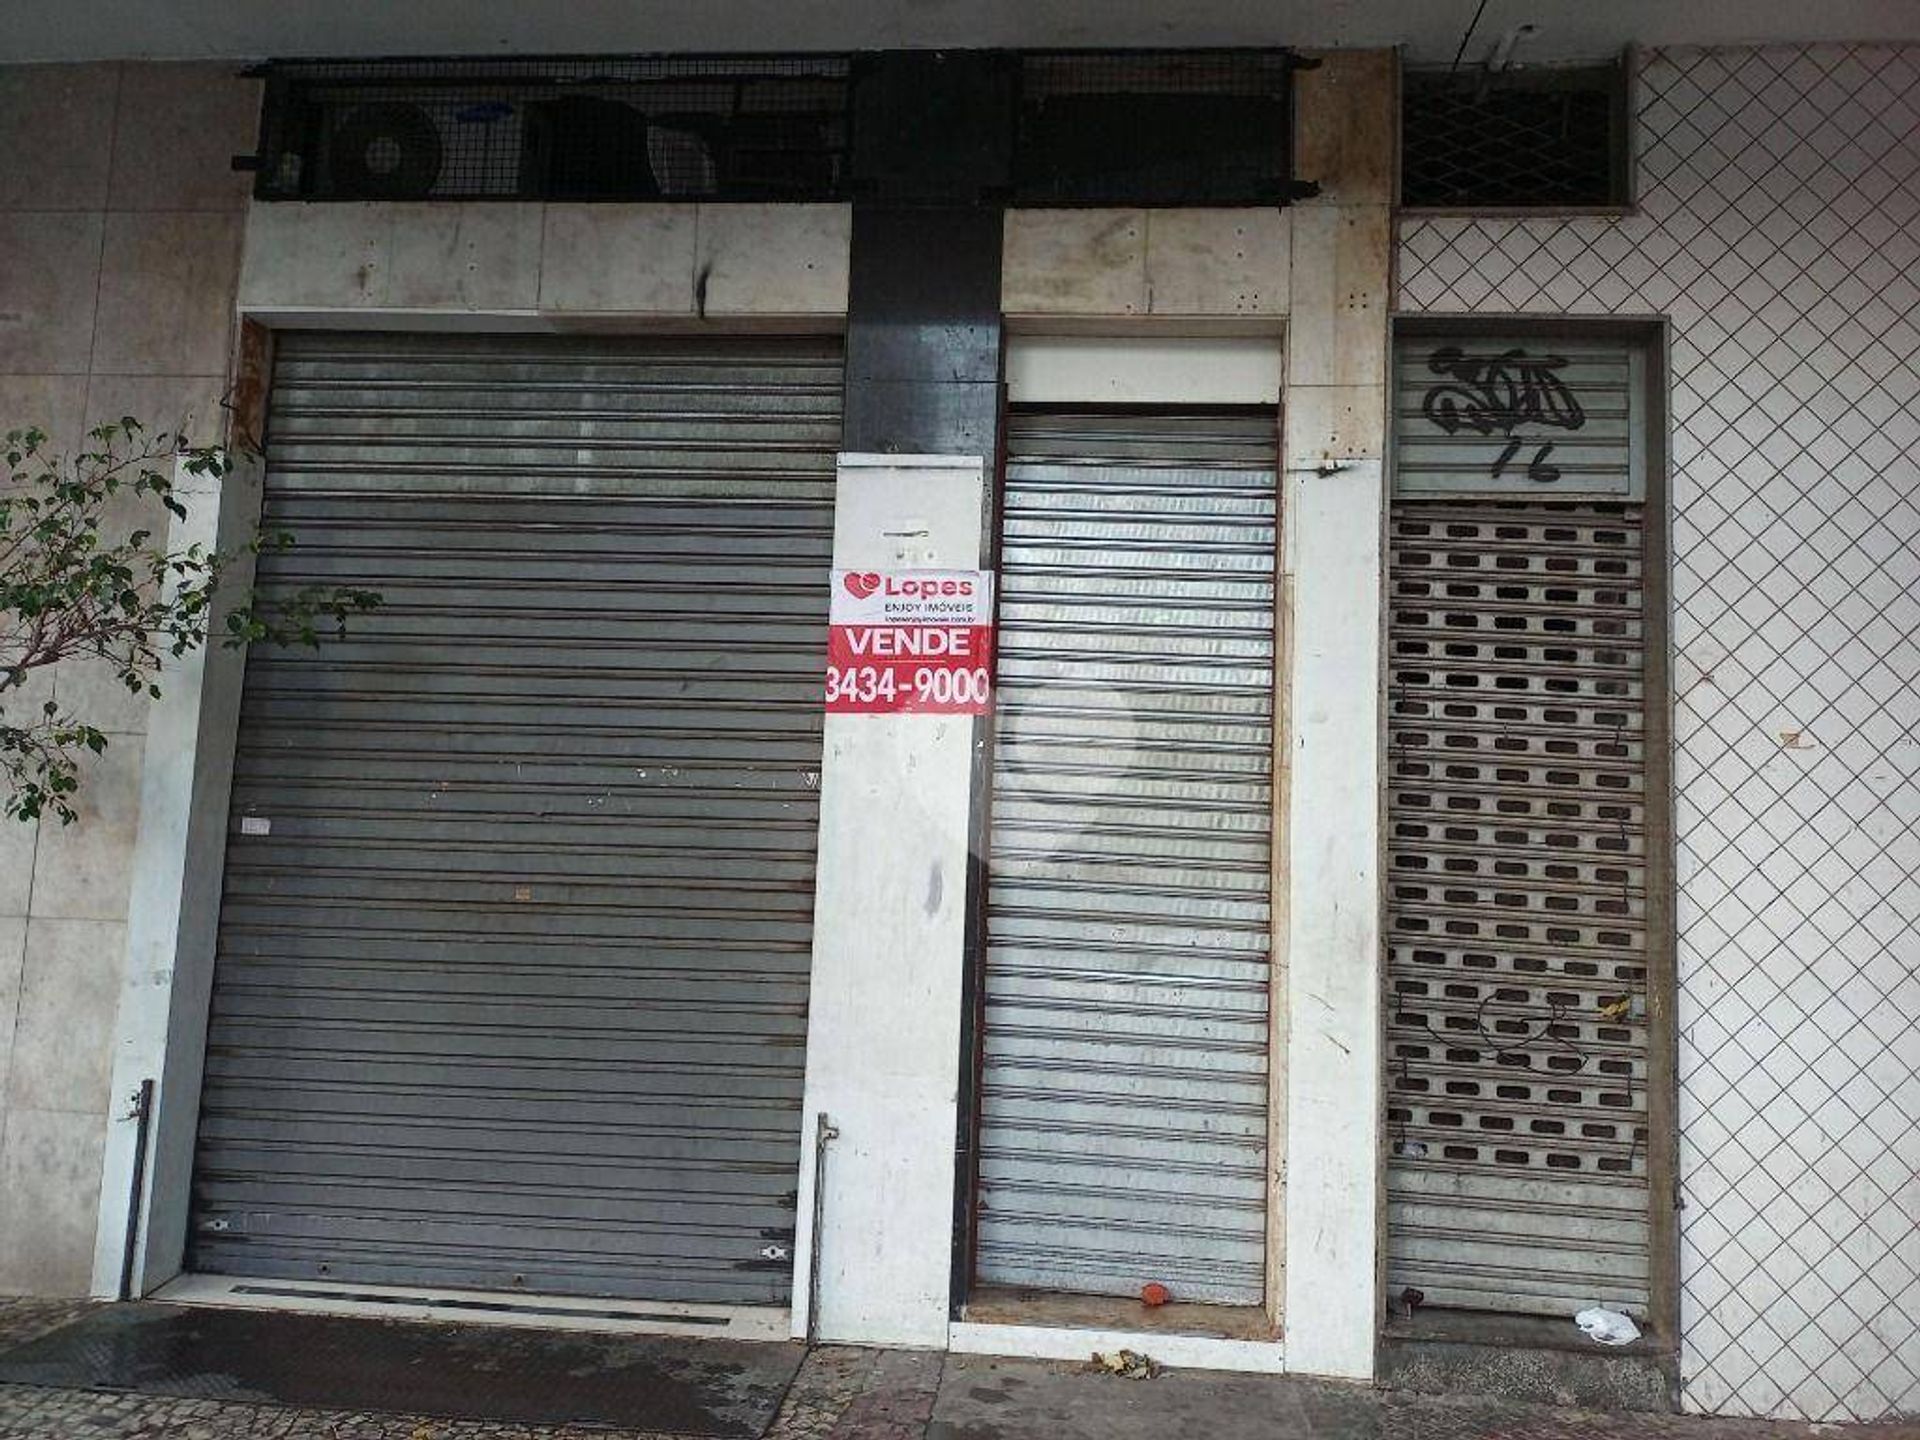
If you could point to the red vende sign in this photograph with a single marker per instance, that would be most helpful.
(910, 642)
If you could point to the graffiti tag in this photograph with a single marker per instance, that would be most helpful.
(1496, 394)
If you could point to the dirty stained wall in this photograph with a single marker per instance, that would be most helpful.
(120, 228)
(1780, 210)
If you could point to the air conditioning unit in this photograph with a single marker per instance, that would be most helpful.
(377, 148)
(556, 130)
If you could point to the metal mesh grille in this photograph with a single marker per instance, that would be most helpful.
(1049, 74)
(1126, 127)
(1153, 128)
(588, 129)
(1517, 906)
(1552, 139)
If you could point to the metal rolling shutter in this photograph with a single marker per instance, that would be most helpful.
(1124, 1096)
(513, 954)
(1518, 909)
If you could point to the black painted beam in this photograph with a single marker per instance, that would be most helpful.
(923, 332)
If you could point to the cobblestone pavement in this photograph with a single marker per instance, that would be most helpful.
(848, 1394)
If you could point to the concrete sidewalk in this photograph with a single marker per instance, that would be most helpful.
(849, 1394)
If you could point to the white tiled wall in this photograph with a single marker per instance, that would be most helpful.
(1780, 230)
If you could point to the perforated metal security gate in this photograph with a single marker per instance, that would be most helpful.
(1520, 918)
(1123, 1128)
(513, 955)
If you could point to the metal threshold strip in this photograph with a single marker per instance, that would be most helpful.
(478, 1307)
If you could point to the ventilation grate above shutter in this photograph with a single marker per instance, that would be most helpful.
(1165, 128)
(557, 128)
(1528, 139)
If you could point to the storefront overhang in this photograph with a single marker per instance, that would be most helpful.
(201, 29)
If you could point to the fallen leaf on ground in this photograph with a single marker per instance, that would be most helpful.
(1127, 1364)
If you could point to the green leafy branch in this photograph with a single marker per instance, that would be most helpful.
(83, 577)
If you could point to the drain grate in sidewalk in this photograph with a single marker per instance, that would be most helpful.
(695, 1387)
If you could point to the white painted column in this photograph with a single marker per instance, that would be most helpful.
(1334, 526)
(173, 913)
(1336, 423)
(883, 1033)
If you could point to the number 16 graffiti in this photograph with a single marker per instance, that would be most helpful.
(1495, 394)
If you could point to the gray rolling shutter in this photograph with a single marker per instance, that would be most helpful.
(513, 955)
(1518, 905)
(1124, 1098)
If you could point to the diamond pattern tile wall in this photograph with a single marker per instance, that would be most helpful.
(1780, 231)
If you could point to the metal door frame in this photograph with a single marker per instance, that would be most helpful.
(971, 1061)
(1653, 334)
(180, 846)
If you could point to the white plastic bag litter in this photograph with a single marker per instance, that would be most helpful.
(1609, 1327)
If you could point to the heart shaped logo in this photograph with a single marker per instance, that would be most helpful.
(861, 583)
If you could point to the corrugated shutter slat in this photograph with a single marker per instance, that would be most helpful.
(1124, 1101)
(1517, 907)
(512, 994)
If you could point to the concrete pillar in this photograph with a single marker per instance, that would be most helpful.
(173, 918)
(890, 984)
(1334, 504)
(889, 959)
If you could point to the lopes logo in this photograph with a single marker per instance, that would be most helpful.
(864, 583)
